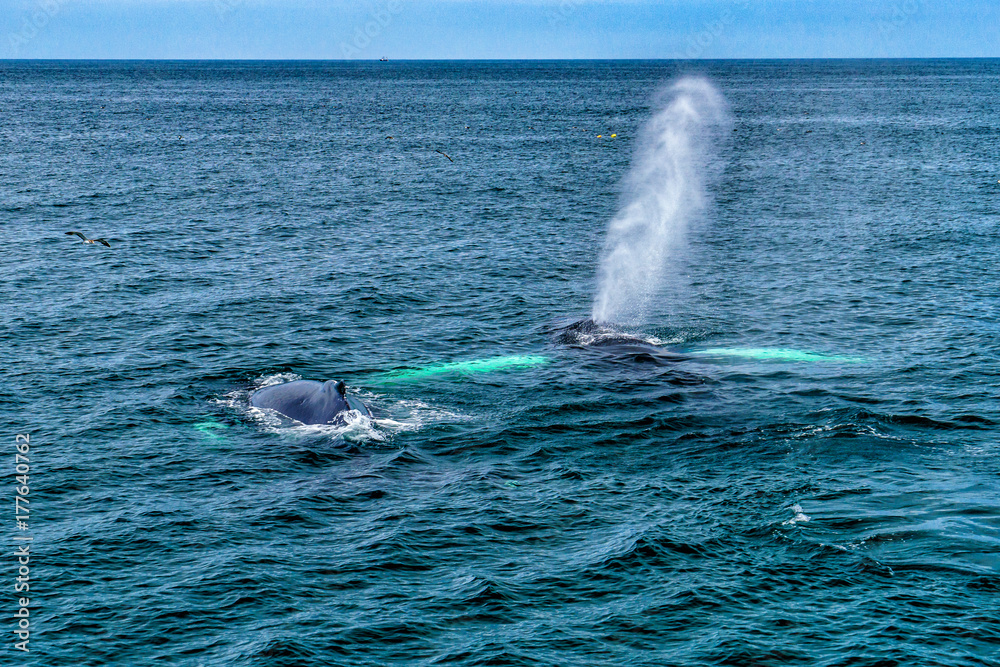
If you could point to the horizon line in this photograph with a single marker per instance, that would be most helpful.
(467, 60)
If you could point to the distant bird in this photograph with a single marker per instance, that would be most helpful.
(86, 240)
(444, 154)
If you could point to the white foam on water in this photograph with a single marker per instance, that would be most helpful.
(413, 415)
(354, 426)
(277, 378)
(800, 517)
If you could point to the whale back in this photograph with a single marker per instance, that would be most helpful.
(307, 401)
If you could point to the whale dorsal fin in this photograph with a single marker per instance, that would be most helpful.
(338, 385)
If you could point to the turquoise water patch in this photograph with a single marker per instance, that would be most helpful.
(209, 428)
(775, 354)
(491, 365)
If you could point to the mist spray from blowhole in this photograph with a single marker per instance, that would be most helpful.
(663, 191)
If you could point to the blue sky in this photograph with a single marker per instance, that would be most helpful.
(401, 29)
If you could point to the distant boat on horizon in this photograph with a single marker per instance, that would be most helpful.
(383, 59)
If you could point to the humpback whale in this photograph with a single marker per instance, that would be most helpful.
(309, 402)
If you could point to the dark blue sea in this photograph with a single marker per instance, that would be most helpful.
(791, 458)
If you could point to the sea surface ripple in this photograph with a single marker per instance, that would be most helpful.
(629, 503)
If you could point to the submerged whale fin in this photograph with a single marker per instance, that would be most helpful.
(776, 354)
(465, 367)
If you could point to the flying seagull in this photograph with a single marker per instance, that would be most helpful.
(86, 240)
(444, 154)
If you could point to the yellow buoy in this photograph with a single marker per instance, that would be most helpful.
(599, 136)
(613, 136)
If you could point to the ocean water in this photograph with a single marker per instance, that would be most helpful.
(791, 459)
